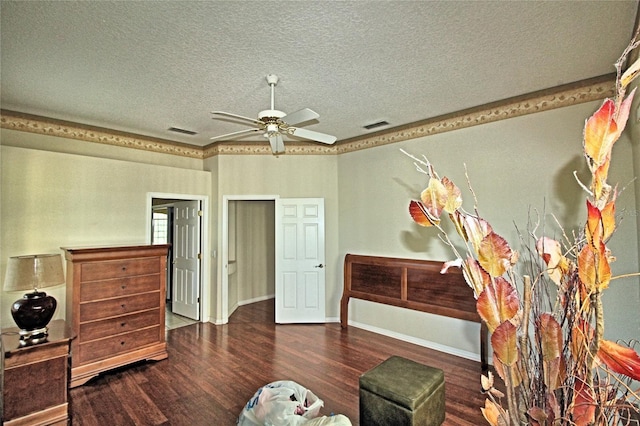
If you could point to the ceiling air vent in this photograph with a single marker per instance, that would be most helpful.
(183, 131)
(375, 125)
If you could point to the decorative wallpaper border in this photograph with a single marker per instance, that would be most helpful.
(545, 100)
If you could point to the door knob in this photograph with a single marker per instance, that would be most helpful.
(319, 266)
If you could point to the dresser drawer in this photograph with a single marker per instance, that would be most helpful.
(111, 346)
(95, 290)
(93, 271)
(118, 306)
(123, 324)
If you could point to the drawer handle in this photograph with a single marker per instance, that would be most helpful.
(122, 343)
(123, 287)
(123, 305)
(123, 324)
(124, 268)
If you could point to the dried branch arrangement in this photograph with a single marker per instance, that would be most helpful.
(547, 324)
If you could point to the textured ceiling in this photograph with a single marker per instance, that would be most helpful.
(142, 67)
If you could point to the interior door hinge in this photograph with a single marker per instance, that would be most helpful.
(200, 212)
(199, 256)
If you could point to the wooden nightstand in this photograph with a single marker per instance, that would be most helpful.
(36, 378)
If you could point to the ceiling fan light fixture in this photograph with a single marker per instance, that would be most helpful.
(274, 124)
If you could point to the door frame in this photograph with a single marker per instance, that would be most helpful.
(224, 250)
(205, 273)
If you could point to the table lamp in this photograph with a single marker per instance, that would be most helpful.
(33, 312)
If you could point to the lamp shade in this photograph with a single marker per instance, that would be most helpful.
(33, 272)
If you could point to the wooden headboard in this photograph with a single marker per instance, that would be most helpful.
(412, 284)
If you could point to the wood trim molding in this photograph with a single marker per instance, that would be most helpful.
(545, 100)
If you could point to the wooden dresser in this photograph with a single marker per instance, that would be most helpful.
(116, 307)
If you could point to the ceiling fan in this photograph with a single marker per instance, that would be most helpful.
(274, 124)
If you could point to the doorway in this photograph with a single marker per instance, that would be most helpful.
(230, 281)
(250, 253)
(294, 257)
(181, 221)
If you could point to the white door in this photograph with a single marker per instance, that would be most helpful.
(185, 299)
(300, 262)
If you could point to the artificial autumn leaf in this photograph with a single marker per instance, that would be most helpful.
(551, 252)
(476, 277)
(486, 381)
(600, 133)
(454, 195)
(550, 334)
(608, 219)
(623, 112)
(497, 303)
(457, 218)
(494, 414)
(504, 343)
(419, 214)
(475, 228)
(434, 198)
(581, 335)
(537, 415)
(621, 359)
(553, 408)
(500, 368)
(584, 404)
(593, 228)
(593, 267)
(494, 254)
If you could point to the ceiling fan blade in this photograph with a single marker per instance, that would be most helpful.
(277, 145)
(300, 116)
(237, 117)
(314, 136)
(235, 134)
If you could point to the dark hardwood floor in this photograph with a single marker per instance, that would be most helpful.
(212, 371)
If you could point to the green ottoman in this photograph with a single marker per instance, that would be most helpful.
(402, 392)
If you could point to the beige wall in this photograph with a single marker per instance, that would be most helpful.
(513, 165)
(52, 199)
(290, 176)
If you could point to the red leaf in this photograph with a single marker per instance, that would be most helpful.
(504, 343)
(584, 405)
(593, 230)
(620, 359)
(418, 213)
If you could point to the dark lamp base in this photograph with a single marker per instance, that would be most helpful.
(32, 313)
